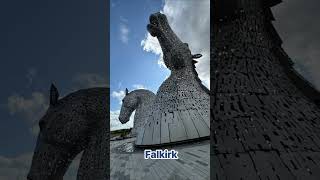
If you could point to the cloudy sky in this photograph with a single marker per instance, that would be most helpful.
(42, 42)
(136, 59)
(298, 25)
(65, 42)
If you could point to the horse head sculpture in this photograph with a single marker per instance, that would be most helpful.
(129, 104)
(140, 101)
(73, 124)
(176, 54)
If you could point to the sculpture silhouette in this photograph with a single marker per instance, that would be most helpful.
(265, 124)
(75, 123)
(139, 100)
(180, 111)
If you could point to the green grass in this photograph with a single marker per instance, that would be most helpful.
(120, 132)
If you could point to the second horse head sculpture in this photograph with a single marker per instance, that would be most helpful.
(139, 101)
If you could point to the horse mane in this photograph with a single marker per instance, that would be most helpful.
(143, 90)
(203, 87)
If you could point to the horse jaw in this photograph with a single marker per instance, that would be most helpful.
(93, 163)
(125, 114)
(49, 162)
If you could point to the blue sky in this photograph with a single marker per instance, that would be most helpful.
(130, 65)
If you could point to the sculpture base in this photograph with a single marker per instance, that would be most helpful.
(188, 141)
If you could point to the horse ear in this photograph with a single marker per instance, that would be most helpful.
(54, 95)
(127, 91)
(196, 56)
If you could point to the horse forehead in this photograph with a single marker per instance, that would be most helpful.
(130, 97)
(57, 111)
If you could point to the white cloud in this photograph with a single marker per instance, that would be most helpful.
(18, 167)
(297, 24)
(151, 44)
(124, 33)
(113, 4)
(190, 20)
(89, 80)
(119, 95)
(138, 86)
(31, 73)
(30, 108)
(119, 85)
(123, 19)
(115, 124)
